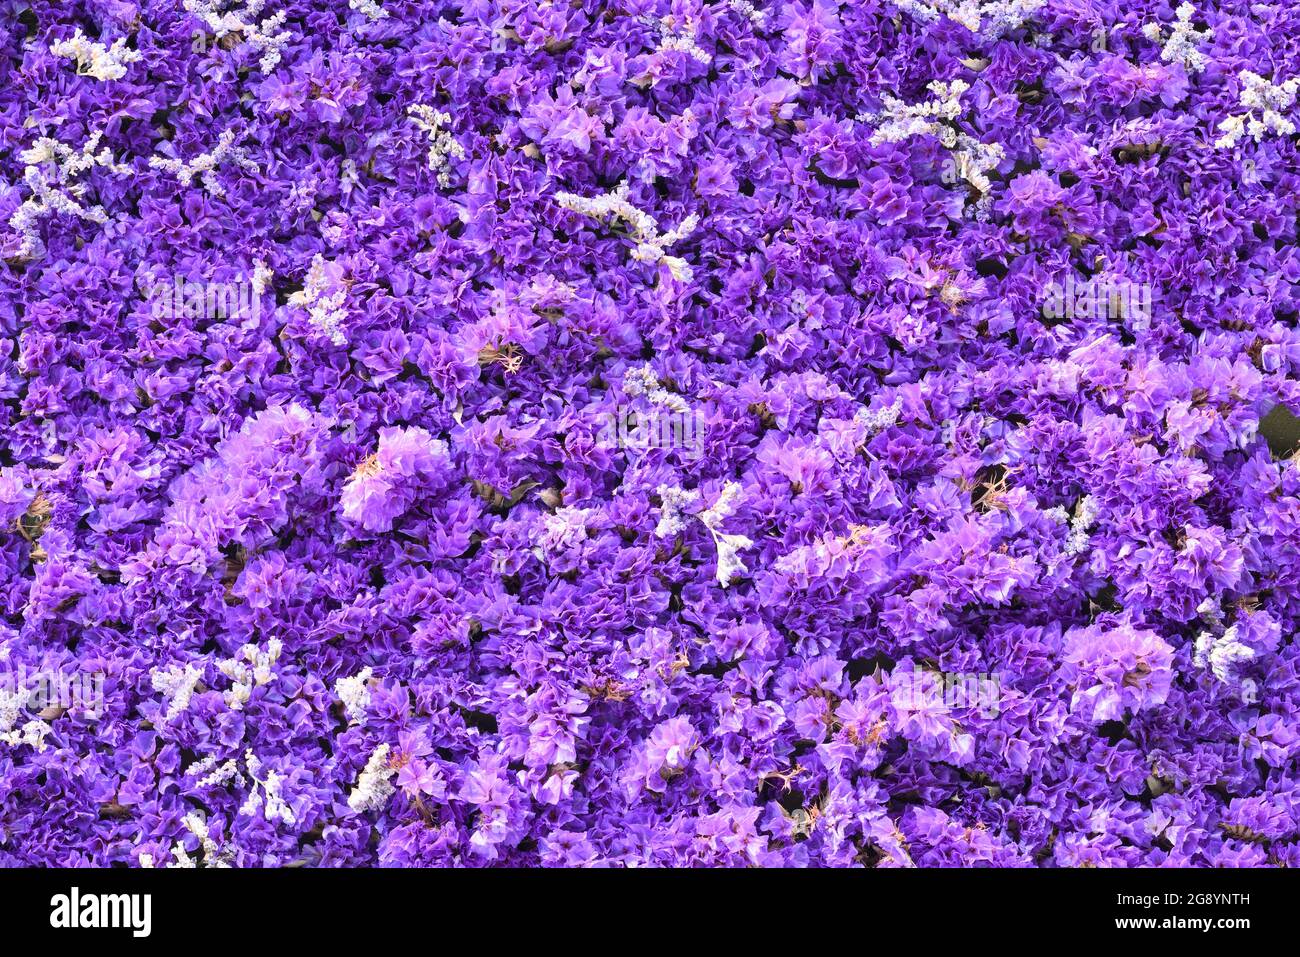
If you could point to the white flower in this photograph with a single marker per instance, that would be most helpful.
(899, 121)
(676, 503)
(214, 776)
(265, 794)
(729, 549)
(442, 145)
(1085, 514)
(213, 854)
(681, 37)
(177, 684)
(729, 545)
(32, 734)
(324, 298)
(250, 668)
(51, 173)
(204, 165)
(972, 159)
(989, 18)
(223, 22)
(749, 11)
(95, 59)
(11, 707)
(1269, 99)
(183, 859)
(1221, 655)
(1181, 44)
(643, 381)
(354, 692)
(373, 787)
(650, 244)
(880, 419)
(724, 507)
(262, 276)
(369, 7)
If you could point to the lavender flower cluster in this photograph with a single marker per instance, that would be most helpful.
(958, 538)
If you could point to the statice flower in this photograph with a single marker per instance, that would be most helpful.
(354, 692)
(1271, 100)
(374, 786)
(52, 171)
(240, 18)
(1222, 655)
(673, 521)
(95, 59)
(204, 165)
(969, 530)
(324, 296)
(992, 18)
(385, 484)
(1182, 45)
(650, 243)
(1116, 670)
(443, 147)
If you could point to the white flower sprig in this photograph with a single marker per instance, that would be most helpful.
(1269, 99)
(204, 165)
(1086, 513)
(373, 786)
(369, 7)
(676, 502)
(265, 794)
(213, 854)
(643, 382)
(262, 276)
(324, 300)
(899, 121)
(880, 419)
(1181, 46)
(1085, 516)
(32, 734)
(642, 227)
(748, 11)
(972, 159)
(11, 708)
(224, 22)
(989, 18)
(51, 172)
(215, 775)
(443, 147)
(177, 684)
(251, 667)
(95, 59)
(1222, 655)
(354, 692)
(679, 36)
